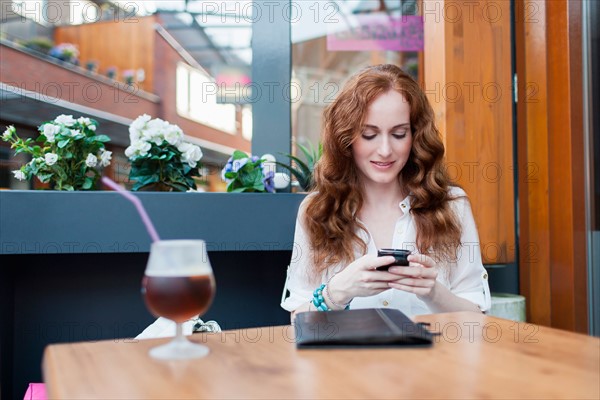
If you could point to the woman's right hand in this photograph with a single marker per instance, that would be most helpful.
(361, 279)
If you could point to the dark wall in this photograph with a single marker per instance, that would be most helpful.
(61, 298)
(73, 273)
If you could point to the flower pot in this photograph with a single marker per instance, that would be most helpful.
(156, 187)
(91, 66)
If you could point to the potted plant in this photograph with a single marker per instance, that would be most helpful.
(65, 52)
(91, 65)
(68, 154)
(39, 44)
(303, 171)
(161, 160)
(247, 174)
(128, 76)
(111, 72)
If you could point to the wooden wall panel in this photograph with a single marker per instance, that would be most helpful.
(434, 67)
(534, 258)
(468, 80)
(125, 44)
(548, 37)
(566, 121)
(578, 146)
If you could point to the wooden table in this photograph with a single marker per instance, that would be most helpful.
(475, 357)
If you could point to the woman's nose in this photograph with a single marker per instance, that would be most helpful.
(384, 149)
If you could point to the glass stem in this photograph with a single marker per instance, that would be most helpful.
(179, 338)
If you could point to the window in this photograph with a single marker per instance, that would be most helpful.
(197, 100)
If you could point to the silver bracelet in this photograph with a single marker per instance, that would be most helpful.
(328, 297)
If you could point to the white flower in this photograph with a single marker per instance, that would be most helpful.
(75, 132)
(65, 120)
(105, 157)
(92, 128)
(192, 155)
(137, 126)
(49, 131)
(8, 133)
(91, 160)
(137, 148)
(281, 180)
(20, 175)
(155, 130)
(174, 135)
(184, 146)
(140, 122)
(84, 121)
(269, 158)
(134, 135)
(50, 159)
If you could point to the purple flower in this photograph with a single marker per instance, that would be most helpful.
(228, 168)
(238, 164)
(268, 181)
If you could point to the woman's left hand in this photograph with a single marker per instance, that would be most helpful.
(419, 277)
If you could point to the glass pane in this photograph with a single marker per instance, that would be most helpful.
(328, 45)
(186, 62)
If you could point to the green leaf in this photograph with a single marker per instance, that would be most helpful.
(63, 143)
(190, 183)
(140, 183)
(179, 186)
(88, 183)
(102, 138)
(303, 167)
(33, 168)
(237, 154)
(44, 176)
(59, 170)
(144, 168)
(302, 172)
(249, 179)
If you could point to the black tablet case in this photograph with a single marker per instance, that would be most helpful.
(373, 327)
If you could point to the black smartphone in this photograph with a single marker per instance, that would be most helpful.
(400, 255)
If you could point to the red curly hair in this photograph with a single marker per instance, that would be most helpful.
(331, 212)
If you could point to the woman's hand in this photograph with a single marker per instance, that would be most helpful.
(419, 277)
(361, 279)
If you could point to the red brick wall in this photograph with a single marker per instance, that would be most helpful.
(25, 71)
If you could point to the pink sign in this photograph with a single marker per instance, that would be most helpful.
(380, 32)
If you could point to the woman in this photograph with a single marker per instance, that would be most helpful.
(381, 183)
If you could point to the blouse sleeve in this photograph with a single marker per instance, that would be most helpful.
(469, 279)
(298, 282)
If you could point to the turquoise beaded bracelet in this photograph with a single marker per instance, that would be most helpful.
(319, 301)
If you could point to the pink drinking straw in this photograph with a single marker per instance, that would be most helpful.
(137, 203)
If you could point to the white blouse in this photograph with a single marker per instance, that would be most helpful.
(466, 277)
